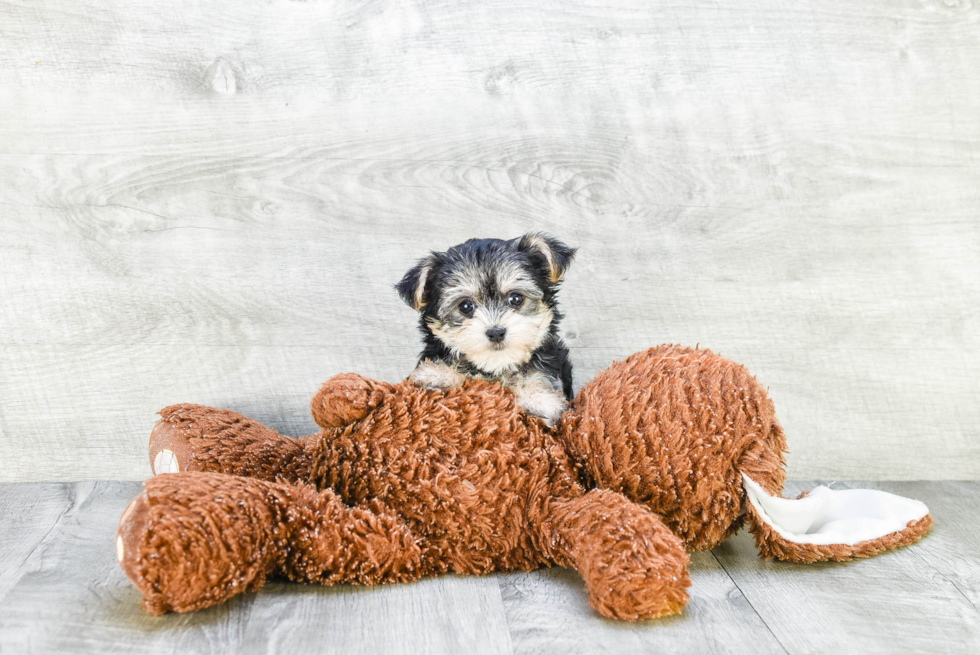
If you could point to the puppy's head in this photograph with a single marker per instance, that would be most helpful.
(490, 301)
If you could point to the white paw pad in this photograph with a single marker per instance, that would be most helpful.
(165, 462)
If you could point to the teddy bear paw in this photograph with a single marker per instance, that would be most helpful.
(170, 450)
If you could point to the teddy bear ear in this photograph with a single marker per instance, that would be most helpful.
(547, 253)
(412, 287)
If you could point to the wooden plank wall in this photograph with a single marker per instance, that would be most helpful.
(209, 202)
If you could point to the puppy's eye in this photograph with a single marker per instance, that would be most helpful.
(467, 307)
(515, 299)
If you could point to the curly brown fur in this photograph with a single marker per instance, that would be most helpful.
(773, 546)
(473, 494)
(598, 534)
(202, 438)
(192, 540)
(406, 482)
(671, 427)
(475, 497)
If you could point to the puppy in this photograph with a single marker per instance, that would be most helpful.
(488, 310)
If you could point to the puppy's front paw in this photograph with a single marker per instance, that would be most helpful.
(545, 403)
(435, 375)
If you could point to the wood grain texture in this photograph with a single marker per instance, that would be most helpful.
(75, 599)
(29, 515)
(209, 203)
(917, 599)
(548, 612)
(953, 549)
(439, 615)
(71, 596)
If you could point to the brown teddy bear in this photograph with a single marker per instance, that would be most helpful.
(668, 451)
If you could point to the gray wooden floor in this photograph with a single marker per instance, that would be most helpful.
(61, 591)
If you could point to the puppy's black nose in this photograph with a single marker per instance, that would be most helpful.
(496, 334)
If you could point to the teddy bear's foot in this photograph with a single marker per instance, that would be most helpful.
(170, 449)
(192, 540)
(633, 565)
(826, 524)
(198, 438)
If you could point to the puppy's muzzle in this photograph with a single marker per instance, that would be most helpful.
(496, 334)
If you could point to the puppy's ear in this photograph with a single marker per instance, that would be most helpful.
(549, 254)
(413, 285)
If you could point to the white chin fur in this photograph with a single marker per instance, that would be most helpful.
(524, 335)
(496, 362)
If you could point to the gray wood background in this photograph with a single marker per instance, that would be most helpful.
(209, 202)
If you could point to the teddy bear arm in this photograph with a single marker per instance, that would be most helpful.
(346, 398)
(192, 540)
(364, 545)
(632, 565)
(199, 438)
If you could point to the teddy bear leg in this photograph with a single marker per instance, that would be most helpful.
(198, 438)
(192, 540)
(832, 524)
(633, 566)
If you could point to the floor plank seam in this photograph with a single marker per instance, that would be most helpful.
(58, 522)
(730, 577)
(925, 562)
(21, 566)
(503, 607)
(962, 593)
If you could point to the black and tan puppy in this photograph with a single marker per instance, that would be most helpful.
(488, 310)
